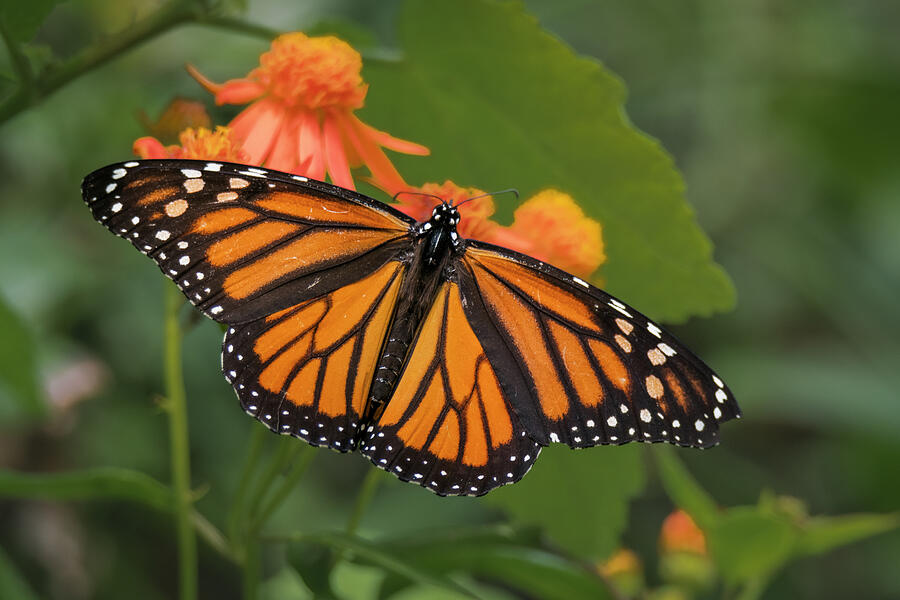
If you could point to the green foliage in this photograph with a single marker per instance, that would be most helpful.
(522, 109)
(512, 558)
(12, 585)
(19, 396)
(750, 543)
(501, 102)
(21, 20)
(579, 498)
(89, 484)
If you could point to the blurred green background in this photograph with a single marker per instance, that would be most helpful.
(782, 118)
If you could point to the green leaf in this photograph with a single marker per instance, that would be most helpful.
(379, 557)
(683, 489)
(18, 373)
(822, 534)
(502, 103)
(504, 556)
(88, 484)
(748, 544)
(21, 20)
(12, 584)
(579, 498)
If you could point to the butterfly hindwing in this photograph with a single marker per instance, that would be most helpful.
(449, 426)
(305, 370)
(586, 369)
(243, 242)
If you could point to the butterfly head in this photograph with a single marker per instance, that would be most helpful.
(444, 215)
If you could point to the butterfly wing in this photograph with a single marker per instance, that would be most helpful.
(305, 274)
(243, 242)
(449, 426)
(305, 370)
(581, 367)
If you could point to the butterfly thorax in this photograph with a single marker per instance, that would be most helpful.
(427, 267)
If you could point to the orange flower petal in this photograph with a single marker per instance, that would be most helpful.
(284, 152)
(308, 142)
(210, 86)
(239, 91)
(391, 143)
(260, 131)
(374, 158)
(317, 158)
(149, 147)
(334, 154)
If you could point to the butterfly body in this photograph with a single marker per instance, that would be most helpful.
(429, 263)
(447, 362)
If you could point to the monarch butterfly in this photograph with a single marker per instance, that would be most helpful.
(447, 362)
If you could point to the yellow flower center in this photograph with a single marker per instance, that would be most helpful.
(320, 72)
(203, 144)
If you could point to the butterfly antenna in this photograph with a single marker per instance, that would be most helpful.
(411, 193)
(510, 190)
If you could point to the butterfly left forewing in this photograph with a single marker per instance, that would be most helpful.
(449, 425)
(588, 369)
(242, 242)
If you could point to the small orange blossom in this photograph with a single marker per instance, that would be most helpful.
(679, 533)
(301, 119)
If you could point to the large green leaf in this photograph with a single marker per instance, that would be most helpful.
(501, 102)
(18, 373)
(21, 20)
(580, 498)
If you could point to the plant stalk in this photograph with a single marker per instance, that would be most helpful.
(176, 409)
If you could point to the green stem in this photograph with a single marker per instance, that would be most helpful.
(299, 468)
(176, 408)
(251, 568)
(282, 456)
(363, 499)
(241, 26)
(19, 60)
(174, 13)
(236, 511)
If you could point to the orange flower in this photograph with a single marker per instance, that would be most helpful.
(559, 232)
(200, 143)
(301, 119)
(622, 560)
(549, 226)
(679, 533)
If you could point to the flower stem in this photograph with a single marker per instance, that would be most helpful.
(301, 464)
(363, 499)
(277, 465)
(236, 512)
(176, 408)
(176, 12)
